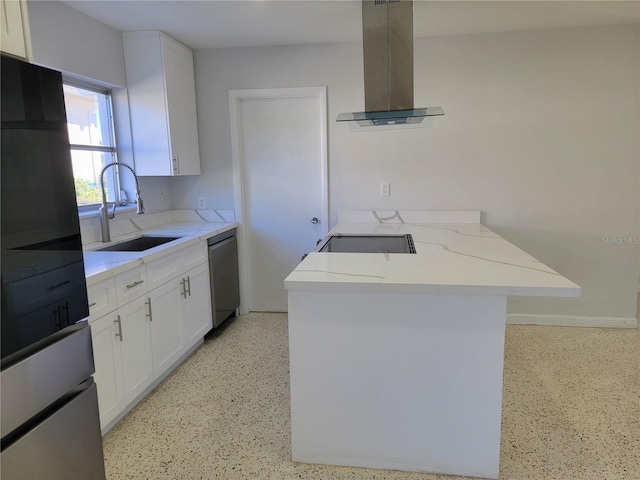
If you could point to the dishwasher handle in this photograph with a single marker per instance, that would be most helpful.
(221, 237)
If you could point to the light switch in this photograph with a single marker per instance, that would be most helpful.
(384, 189)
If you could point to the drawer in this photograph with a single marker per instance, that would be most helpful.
(131, 285)
(163, 269)
(102, 298)
(193, 256)
(37, 292)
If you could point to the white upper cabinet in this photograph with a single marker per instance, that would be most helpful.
(14, 28)
(162, 103)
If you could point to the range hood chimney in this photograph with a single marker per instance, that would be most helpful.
(387, 38)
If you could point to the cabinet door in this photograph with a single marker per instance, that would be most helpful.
(135, 347)
(181, 107)
(166, 329)
(196, 307)
(162, 104)
(12, 32)
(147, 105)
(108, 376)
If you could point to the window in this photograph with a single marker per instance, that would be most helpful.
(90, 126)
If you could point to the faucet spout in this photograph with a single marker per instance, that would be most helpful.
(104, 209)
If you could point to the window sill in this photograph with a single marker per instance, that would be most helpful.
(96, 212)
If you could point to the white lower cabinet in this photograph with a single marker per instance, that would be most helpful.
(166, 325)
(137, 365)
(108, 362)
(144, 337)
(196, 306)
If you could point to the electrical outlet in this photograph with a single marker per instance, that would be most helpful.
(160, 191)
(384, 189)
(201, 203)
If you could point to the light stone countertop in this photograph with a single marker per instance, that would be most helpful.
(101, 265)
(451, 258)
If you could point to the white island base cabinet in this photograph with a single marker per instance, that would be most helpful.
(403, 381)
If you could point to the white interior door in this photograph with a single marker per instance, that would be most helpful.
(279, 138)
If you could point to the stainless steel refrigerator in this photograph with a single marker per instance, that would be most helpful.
(49, 409)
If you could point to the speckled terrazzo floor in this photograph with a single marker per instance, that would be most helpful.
(571, 410)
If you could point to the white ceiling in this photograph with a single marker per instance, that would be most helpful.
(240, 23)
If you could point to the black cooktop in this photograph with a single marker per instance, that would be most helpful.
(369, 244)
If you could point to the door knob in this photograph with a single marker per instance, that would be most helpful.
(315, 220)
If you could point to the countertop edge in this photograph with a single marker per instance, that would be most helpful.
(482, 266)
(102, 265)
(524, 291)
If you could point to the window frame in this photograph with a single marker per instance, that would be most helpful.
(112, 175)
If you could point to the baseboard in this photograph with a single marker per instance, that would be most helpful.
(571, 321)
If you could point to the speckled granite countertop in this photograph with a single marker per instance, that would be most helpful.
(101, 265)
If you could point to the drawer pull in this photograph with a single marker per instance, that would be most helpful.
(184, 288)
(189, 285)
(58, 285)
(93, 304)
(150, 315)
(119, 334)
(135, 284)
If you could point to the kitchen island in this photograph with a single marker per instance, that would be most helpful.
(396, 360)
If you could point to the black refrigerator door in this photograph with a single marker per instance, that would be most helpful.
(43, 283)
(50, 424)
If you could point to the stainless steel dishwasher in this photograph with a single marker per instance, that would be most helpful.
(223, 270)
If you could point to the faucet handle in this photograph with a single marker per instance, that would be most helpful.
(112, 214)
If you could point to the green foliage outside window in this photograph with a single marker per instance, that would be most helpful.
(87, 192)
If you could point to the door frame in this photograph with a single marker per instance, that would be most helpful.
(237, 155)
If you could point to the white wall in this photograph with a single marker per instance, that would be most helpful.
(88, 50)
(70, 41)
(541, 132)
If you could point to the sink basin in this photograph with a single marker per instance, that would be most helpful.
(139, 244)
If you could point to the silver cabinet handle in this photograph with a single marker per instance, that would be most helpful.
(150, 314)
(189, 285)
(315, 220)
(58, 285)
(183, 282)
(175, 164)
(119, 334)
(135, 284)
(93, 304)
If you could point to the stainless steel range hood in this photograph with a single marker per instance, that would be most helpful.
(387, 37)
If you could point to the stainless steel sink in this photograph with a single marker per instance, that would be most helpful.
(139, 244)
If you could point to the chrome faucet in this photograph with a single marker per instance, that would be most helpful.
(104, 209)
